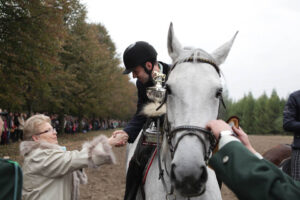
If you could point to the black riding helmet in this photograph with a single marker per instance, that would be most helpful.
(138, 53)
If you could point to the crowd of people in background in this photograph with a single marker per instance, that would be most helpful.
(13, 123)
(71, 124)
(12, 126)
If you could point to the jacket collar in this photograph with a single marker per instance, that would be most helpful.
(28, 146)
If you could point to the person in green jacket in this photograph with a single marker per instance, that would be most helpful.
(244, 170)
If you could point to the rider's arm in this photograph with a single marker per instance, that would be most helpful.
(136, 123)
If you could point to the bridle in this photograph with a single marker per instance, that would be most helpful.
(196, 60)
(190, 130)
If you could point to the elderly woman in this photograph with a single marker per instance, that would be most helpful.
(51, 172)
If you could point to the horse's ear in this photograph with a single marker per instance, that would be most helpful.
(174, 47)
(221, 53)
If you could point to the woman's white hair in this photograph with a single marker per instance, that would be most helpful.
(32, 124)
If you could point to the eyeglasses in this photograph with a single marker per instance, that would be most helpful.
(50, 130)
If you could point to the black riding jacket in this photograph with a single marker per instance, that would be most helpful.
(136, 123)
(291, 117)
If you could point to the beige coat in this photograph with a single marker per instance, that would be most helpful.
(49, 172)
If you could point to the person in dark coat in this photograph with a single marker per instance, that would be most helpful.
(244, 170)
(291, 122)
(16, 134)
(140, 59)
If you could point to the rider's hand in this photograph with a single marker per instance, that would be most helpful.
(119, 138)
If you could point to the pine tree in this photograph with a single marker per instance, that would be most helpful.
(274, 111)
(261, 117)
(248, 119)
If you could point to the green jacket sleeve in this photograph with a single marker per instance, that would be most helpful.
(251, 178)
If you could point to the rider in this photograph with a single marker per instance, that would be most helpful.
(291, 122)
(140, 59)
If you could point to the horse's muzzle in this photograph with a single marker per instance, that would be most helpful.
(189, 184)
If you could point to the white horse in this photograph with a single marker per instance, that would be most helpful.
(194, 87)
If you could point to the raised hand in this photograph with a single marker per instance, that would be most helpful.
(243, 137)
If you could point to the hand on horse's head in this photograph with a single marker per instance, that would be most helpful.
(216, 126)
(119, 138)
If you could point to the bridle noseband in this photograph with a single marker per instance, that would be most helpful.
(192, 131)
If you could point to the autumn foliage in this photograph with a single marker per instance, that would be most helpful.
(52, 60)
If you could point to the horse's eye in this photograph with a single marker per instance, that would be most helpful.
(169, 91)
(219, 93)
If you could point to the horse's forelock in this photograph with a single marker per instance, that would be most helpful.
(194, 55)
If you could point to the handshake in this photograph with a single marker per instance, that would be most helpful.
(118, 138)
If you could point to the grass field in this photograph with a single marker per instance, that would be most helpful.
(108, 182)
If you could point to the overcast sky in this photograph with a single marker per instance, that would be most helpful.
(266, 52)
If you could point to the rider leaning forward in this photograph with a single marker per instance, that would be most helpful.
(140, 59)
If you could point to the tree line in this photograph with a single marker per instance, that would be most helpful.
(52, 60)
(263, 115)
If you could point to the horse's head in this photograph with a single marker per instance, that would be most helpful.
(194, 87)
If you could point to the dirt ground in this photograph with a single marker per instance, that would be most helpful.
(108, 182)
